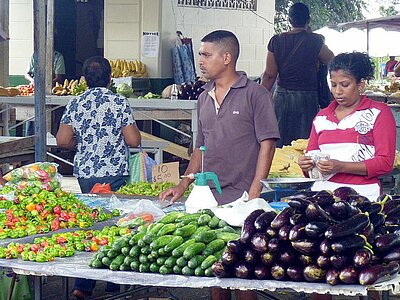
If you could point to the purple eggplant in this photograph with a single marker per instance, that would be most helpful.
(340, 261)
(386, 242)
(283, 233)
(325, 247)
(262, 272)
(323, 262)
(306, 260)
(362, 258)
(391, 207)
(220, 270)
(264, 220)
(250, 256)
(359, 201)
(348, 243)
(244, 270)
(344, 192)
(354, 224)
(269, 258)
(275, 245)
(341, 210)
(332, 277)
(317, 213)
(288, 257)
(278, 272)
(316, 229)
(297, 232)
(248, 228)
(229, 258)
(324, 198)
(377, 220)
(349, 275)
(393, 255)
(271, 232)
(296, 219)
(282, 218)
(295, 273)
(298, 203)
(234, 246)
(307, 247)
(374, 208)
(378, 273)
(259, 242)
(369, 233)
(313, 273)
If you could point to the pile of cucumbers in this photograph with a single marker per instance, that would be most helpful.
(337, 238)
(180, 243)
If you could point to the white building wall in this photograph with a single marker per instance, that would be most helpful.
(21, 35)
(125, 20)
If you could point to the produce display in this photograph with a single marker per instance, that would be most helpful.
(32, 210)
(9, 91)
(72, 87)
(339, 238)
(150, 95)
(284, 163)
(191, 91)
(26, 90)
(124, 68)
(148, 188)
(179, 243)
(46, 249)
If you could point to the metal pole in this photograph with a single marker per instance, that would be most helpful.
(39, 37)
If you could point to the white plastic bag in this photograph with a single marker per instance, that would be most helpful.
(236, 212)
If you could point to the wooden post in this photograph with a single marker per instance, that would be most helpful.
(4, 46)
(49, 46)
(39, 40)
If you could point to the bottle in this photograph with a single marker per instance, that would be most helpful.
(174, 92)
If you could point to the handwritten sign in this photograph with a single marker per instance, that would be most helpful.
(168, 172)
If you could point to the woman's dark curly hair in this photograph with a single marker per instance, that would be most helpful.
(357, 64)
(97, 72)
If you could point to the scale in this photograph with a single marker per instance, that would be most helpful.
(287, 185)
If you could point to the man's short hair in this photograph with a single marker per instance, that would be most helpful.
(226, 40)
(97, 71)
(299, 15)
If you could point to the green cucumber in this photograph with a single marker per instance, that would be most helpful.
(208, 262)
(213, 246)
(166, 229)
(97, 263)
(199, 271)
(124, 267)
(186, 230)
(164, 270)
(170, 262)
(128, 260)
(177, 269)
(112, 253)
(135, 266)
(174, 243)
(161, 242)
(195, 261)
(106, 261)
(208, 272)
(188, 218)
(135, 238)
(161, 260)
(125, 250)
(154, 267)
(144, 267)
(171, 217)
(213, 223)
(117, 262)
(181, 261)
(227, 236)
(222, 224)
(178, 251)
(193, 250)
(187, 271)
(156, 228)
(204, 219)
(205, 236)
(135, 251)
(145, 250)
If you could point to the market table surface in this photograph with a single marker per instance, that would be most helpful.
(76, 266)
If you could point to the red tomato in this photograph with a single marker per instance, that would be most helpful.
(57, 209)
(55, 225)
(35, 247)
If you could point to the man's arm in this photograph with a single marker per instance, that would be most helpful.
(65, 137)
(270, 72)
(177, 191)
(131, 135)
(264, 161)
(325, 55)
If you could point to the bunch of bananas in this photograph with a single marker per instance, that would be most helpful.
(70, 87)
(123, 68)
(284, 163)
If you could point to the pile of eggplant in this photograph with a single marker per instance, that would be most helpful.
(336, 237)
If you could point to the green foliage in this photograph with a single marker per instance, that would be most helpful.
(387, 11)
(323, 12)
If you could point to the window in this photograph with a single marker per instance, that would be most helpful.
(222, 4)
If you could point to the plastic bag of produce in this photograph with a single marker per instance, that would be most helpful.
(41, 171)
(21, 291)
(140, 167)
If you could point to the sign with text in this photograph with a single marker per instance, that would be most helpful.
(168, 172)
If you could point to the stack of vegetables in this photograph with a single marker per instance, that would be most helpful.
(179, 243)
(31, 211)
(44, 249)
(337, 238)
(148, 188)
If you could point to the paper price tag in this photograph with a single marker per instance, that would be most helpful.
(168, 172)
